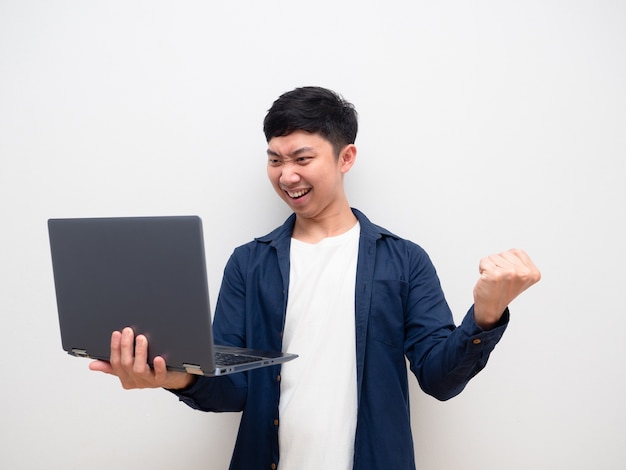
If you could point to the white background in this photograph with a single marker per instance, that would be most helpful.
(485, 125)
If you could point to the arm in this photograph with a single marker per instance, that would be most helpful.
(444, 357)
(229, 392)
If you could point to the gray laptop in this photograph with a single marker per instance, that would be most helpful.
(148, 273)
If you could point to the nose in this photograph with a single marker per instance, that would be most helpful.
(289, 174)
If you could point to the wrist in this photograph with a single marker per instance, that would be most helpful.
(488, 320)
(182, 382)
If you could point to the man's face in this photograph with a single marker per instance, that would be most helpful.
(306, 174)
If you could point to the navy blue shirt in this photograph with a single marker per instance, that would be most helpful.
(400, 312)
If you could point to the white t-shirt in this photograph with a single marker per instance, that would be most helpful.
(318, 397)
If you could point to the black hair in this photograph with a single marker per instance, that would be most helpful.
(315, 110)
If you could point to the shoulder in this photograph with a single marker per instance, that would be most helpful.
(392, 251)
(268, 243)
(382, 234)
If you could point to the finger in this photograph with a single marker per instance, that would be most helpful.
(507, 260)
(127, 348)
(534, 273)
(511, 257)
(140, 364)
(160, 369)
(486, 264)
(101, 366)
(524, 265)
(523, 256)
(115, 357)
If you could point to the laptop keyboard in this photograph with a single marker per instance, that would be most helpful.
(229, 359)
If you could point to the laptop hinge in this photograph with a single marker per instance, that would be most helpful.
(79, 352)
(193, 369)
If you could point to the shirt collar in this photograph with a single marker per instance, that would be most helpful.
(367, 229)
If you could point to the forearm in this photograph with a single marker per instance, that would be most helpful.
(227, 393)
(452, 362)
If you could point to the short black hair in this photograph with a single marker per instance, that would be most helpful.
(316, 110)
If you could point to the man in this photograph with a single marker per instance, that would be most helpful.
(351, 298)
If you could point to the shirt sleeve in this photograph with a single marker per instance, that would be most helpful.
(444, 357)
(220, 394)
(229, 392)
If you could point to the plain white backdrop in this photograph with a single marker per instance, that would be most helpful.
(484, 125)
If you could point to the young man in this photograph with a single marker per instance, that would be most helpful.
(351, 298)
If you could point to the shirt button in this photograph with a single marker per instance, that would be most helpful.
(275, 422)
(278, 378)
(477, 341)
(273, 466)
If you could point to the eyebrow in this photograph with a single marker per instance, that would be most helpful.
(295, 153)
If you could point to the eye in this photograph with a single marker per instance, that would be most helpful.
(273, 161)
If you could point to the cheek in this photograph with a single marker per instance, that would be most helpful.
(272, 175)
(274, 178)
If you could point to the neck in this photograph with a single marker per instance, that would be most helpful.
(312, 230)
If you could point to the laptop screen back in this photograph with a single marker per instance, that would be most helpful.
(148, 273)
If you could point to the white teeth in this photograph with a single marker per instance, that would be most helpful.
(296, 194)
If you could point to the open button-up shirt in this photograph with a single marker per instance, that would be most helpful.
(400, 312)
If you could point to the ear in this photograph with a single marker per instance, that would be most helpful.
(347, 157)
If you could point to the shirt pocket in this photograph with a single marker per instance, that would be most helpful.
(387, 311)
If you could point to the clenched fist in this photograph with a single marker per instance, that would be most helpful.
(502, 278)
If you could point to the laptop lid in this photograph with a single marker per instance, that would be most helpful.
(148, 273)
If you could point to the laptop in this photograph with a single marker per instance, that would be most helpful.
(148, 273)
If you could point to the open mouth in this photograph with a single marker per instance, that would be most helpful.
(298, 194)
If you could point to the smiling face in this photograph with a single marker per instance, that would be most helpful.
(307, 174)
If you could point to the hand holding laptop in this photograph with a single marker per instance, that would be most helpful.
(147, 274)
(129, 362)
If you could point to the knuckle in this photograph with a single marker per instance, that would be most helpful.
(126, 362)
